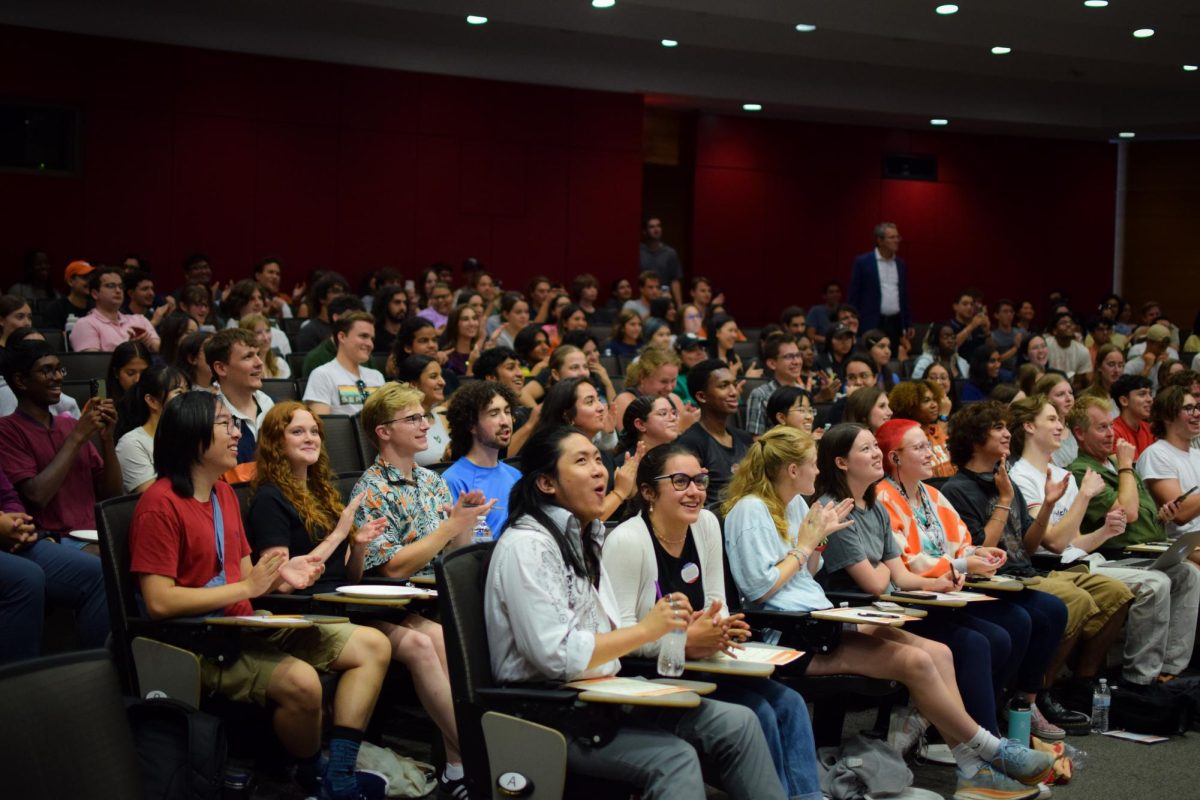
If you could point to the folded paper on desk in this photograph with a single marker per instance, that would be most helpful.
(626, 687)
(757, 654)
(864, 615)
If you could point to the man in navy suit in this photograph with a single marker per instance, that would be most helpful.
(879, 286)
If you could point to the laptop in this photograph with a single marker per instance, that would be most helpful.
(1177, 550)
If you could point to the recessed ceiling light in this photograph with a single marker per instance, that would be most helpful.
(804, 27)
(603, 3)
(939, 122)
(669, 43)
(1001, 50)
(1126, 134)
(1190, 67)
(1095, 3)
(751, 106)
(475, 19)
(946, 9)
(1143, 33)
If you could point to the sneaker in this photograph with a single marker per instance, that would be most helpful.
(1074, 723)
(371, 786)
(453, 790)
(1043, 728)
(905, 729)
(1043, 791)
(1026, 765)
(987, 784)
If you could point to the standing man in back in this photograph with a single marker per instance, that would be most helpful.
(879, 286)
(661, 259)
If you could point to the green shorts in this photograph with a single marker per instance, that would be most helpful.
(246, 680)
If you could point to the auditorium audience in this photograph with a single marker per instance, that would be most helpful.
(390, 309)
(983, 373)
(791, 405)
(655, 373)
(463, 339)
(129, 360)
(1110, 365)
(566, 361)
(940, 347)
(1067, 354)
(879, 346)
(1146, 361)
(35, 283)
(648, 418)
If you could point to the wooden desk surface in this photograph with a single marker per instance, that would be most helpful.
(852, 616)
(913, 601)
(293, 623)
(730, 666)
(379, 602)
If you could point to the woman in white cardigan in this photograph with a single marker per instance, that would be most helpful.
(674, 545)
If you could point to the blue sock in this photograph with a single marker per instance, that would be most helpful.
(340, 780)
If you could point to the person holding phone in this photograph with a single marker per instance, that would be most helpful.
(674, 545)
(105, 326)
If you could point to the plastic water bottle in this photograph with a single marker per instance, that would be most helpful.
(1019, 718)
(1101, 700)
(670, 653)
(482, 532)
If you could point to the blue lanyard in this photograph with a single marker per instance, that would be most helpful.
(219, 532)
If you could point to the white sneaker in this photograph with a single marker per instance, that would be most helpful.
(905, 729)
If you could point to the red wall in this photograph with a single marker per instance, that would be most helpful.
(795, 202)
(325, 165)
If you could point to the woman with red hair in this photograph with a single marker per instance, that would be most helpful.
(934, 541)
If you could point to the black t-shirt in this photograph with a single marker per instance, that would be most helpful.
(673, 573)
(720, 461)
(56, 313)
(274, 522)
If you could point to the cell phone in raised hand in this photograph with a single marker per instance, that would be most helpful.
(99, 388)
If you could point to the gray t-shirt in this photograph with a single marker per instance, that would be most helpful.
(754, 547)
(869, 539)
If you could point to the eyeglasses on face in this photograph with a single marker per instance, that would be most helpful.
(49, 371)
(923, 447)
(1190, 408)
(680, 480)
(228, 423)
(412, 419)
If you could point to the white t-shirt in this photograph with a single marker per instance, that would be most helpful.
(1164, 460)
(135, 451)
(1032, 484)
(339, 389)
(438, 438)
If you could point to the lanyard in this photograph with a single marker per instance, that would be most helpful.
(219, 533)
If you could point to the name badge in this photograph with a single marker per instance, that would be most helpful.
(690, 572)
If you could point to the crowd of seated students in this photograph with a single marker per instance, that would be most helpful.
(475, 376)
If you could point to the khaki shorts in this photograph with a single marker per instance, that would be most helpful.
(246, 680)
(1091, 599)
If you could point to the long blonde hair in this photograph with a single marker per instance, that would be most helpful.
(764, 461)
(317, 500)
(269, 357)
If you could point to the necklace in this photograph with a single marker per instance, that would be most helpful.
(665, 540)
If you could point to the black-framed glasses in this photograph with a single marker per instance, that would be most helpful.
(680, 480)
(49, 371)
(1190, 408)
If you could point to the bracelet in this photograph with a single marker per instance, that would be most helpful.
(796, 555)
(1006, 508)
(1124, 469)
(618, 494)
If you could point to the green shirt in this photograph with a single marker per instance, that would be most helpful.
(1146, 528)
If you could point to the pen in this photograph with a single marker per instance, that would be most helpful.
(873, 615)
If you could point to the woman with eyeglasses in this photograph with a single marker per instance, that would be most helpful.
(1023, 630)
(774, 541)
(651, 419)
(791, 405)
(296, 510)
(425, 374)
(674, 546)
(549, 608)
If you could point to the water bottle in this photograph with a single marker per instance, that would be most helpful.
(1019, 717)
(482, 532)
(1101, 700)
(670, 653)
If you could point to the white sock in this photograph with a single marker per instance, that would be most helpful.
(968, 760)
(985, 744)
(453, 772)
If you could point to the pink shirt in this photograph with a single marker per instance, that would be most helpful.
(97, 332)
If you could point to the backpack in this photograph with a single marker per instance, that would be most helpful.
(181, 751)
(1154, 711)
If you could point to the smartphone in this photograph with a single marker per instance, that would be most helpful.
(914, 595)
(976, 579)
(99, 388)
(885, 605)
(1184, 496)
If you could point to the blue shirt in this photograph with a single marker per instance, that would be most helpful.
(495, 482)
(755, 547)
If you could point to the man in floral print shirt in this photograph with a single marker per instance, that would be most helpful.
(422, 518)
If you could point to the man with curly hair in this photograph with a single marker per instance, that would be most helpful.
(480, 416)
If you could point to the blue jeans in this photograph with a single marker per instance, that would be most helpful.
(785, 723)
(977, 646)
(49, 572)
(1048, 620)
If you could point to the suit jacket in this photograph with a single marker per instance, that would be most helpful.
(866, 296)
